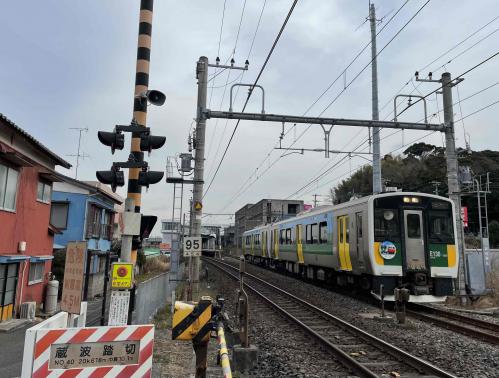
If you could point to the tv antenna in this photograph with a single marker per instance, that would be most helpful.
(78, 154)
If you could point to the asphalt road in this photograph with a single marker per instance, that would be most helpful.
(12, 344)
(11, 352)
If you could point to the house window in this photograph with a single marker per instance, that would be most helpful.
(93, 222)
(43, 192)
(8, 187)
(36, 271)
(107, 226)
(59, 215)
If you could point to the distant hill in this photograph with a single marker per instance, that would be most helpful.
(418, 168)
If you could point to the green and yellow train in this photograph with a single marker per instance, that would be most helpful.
(379, 242)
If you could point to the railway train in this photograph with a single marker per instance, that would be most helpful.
(378, 243)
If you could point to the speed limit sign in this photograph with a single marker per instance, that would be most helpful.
(192, 246)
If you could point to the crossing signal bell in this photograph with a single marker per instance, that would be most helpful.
(115, 140)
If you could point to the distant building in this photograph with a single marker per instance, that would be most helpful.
(85, 211)
(26, 235)
(264, 212)
(229, 237)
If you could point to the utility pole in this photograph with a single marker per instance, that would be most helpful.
(374, 71)
(197, 195)
(315, 199)
(436, 184)
(452, 175)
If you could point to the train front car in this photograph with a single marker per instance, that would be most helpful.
(413, 245)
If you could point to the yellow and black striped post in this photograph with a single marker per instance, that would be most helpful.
(140, 104)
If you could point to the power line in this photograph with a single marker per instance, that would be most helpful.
(251, 91)
(453, 80)
(478, 111)
(241, 78)
(314, 102)
(440, 56)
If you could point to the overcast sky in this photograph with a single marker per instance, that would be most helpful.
(72, 64)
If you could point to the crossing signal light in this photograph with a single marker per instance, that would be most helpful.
(147, 178)
(112, 139)
(151, 142)
(114, 177)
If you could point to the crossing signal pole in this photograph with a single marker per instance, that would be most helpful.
(139, 174)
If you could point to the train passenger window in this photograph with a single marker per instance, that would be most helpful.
(281, 237)
(347, 230)
(413, 226)
(359, 225)
(323, 232)
(315, 233)
(308, 235)
(288, 236)
(386, 224)
(441, 227)
(340, 227)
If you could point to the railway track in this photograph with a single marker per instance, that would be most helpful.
(476, 328)
(362, 353)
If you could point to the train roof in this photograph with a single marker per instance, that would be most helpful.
(326, 208)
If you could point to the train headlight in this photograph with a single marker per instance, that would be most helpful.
(411, 200)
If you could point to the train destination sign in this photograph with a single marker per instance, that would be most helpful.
(84, 355)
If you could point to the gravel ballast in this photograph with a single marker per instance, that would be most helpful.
(453, 352)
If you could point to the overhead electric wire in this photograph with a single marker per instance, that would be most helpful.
(251, 91)
(315, 101)
(477, 111)
(452, 80)
(441, 56)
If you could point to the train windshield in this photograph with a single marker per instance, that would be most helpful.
(441, 226)
(386, 224)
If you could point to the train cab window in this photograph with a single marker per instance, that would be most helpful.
(441, 227)
(386, 224)
(413, 226)
(323, 232)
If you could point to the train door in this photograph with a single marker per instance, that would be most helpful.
(414, 240)
(299, 245)
(263, 243)
(276, 244)
(344, 243)
(359, 239)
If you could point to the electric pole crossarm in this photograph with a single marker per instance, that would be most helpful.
(324, 121)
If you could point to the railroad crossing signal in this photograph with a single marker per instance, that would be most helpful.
(115, 140)
(113, 177)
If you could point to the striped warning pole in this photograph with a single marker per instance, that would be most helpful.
(139, 104)
(224, 353)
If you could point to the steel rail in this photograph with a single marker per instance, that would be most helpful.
(399, 354)
(458, 323)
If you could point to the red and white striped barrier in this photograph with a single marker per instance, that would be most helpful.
(46, 338)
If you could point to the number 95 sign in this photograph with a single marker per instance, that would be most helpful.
(192, 246)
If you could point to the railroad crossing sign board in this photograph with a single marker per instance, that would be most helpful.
(198, 205)
(94, 351)
(192, 246)
(73, 277)
(122, 276)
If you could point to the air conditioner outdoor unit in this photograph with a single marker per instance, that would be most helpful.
(28, 310)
